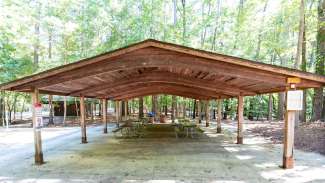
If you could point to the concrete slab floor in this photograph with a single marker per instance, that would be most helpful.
(106, 158)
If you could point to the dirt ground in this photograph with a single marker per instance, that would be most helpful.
(309, 137)
(213, 158)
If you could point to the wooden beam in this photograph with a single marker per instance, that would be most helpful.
(130, 61)
(75, 66)
(219, 116)
(238, 61)
(207, 113)
(163, 87)
(155, 89)
(166, 77)
(240, 117)
(162, 92)
(37, 129)
(83, 120)
(104, 101)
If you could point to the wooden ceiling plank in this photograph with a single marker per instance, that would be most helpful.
(166, 77)
(125, 62)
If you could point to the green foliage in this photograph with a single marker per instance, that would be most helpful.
(265, 31)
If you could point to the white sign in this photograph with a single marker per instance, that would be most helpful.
(38, 115)
(294, 100)
(39, 122)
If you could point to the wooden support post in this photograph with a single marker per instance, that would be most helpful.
(83, 120)
(92, 109)
(240, 117)
(37, 131)
(125, 110)
(105, 114)
(219, 116)
(207, 113)
(292, 106)
(289, 127)
(173, 108)
(117, 112)
(199, 111)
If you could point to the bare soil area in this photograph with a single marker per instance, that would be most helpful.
(309, 137)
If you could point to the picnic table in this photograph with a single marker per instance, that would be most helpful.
(185, 128)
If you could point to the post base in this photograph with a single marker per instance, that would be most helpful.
(218, 129)
(239, 140)
(287, 162)
(207, 124)
(105, 130)
(84, 140)
(39, 159)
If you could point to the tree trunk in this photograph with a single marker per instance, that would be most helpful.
(76, 106)
(173, 108)
(225, 114)
(1, 109)
(194, 107)
(22, 109)
(184, 21)
(37, 34)
(100, 108)
(323, 113)
(141, 107)
(203, 34)
(318, 94)
(14, 110)
(270, 109)
(213, 45)
(184, 109)
(303, 115)
(64, 109)
(154, 106)
(300, 36)
(176, 108)
(51, 122)
(281, 98)
(92, 110)
(251, 109)
(259, 38)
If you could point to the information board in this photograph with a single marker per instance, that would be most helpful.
(294, 100)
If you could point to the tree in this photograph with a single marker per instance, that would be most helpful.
(320, 52)
(141, 107)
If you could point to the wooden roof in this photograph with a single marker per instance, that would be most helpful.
(154, 67)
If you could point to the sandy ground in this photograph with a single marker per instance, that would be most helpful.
(214, 158)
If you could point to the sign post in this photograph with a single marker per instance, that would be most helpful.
(293, 104)
(38, 116)
(37, 124)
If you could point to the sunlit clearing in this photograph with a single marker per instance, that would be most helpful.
(244, 157)
(255, 140)
(232, 149)
(299, 174)
(266, 165)
(227, 181)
